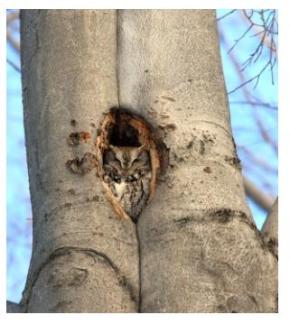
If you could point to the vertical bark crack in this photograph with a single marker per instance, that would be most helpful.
(139, 270)
(118, 35)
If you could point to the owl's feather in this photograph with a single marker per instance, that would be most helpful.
(127, 175)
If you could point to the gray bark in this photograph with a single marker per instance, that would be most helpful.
(13, 307)
(84, 259)
(200, 251)
(196, 248)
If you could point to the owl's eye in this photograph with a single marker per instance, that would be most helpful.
(116, 178)
(134, 177)
(138, 174)
(131, 178)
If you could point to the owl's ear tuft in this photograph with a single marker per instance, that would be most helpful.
(124, 131)
(108, 156)
(143, 153)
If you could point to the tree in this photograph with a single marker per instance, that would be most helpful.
(195, 247)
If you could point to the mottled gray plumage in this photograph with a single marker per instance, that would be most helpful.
(127, 172)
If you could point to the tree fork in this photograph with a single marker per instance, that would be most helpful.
(197, 249)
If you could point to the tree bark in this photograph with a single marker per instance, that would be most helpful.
(13, 307)
(200, 250)
(196, 248)
(84, 259)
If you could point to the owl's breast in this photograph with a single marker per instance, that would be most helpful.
(120, 188)
(132, 196)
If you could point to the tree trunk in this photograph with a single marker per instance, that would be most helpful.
(195, 247)
(84, 259)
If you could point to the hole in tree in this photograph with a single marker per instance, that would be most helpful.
(123, 134)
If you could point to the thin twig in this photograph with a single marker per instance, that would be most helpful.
(253, 103)
(227, 14)
(15, 66)
(11, 16)
(257, 161)
(256, 77)
(248, 97)
(266, 32)
(241, 37)
(12, 41)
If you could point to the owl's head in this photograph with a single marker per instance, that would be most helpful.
(125, 161)
(130, 156)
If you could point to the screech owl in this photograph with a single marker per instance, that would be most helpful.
(127, 174)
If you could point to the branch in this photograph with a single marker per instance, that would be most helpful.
(15, 66)
(248, 97)
(258, 161)
(266, 35)
(13, 307)
(254, 103)
(14, 43)
(12, 16)
(270, 228)
(256, 77)
(257, 195)
(265, 135)
(227, 14)
(265, 31)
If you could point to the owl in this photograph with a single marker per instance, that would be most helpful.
(129, 158)
(127, 178)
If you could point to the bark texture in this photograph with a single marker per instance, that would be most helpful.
(200, 250)
(195, 247)
(84, 259)
(13, 307)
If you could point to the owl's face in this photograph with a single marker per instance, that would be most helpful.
(126, 164)
(128, 173)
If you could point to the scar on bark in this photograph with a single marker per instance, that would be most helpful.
(82, 165)
(76, 138)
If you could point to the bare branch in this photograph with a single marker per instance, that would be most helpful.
(11, 16)
(249, 168)
(253, 103)
(256, 77)
(241, 37)
(14, 43)
(248, 98)
(226, 15)
(266, 34)
(257, 195)
(270, 228)
(258, 161)
(15, 66)
(267, 30)
(265, 135)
